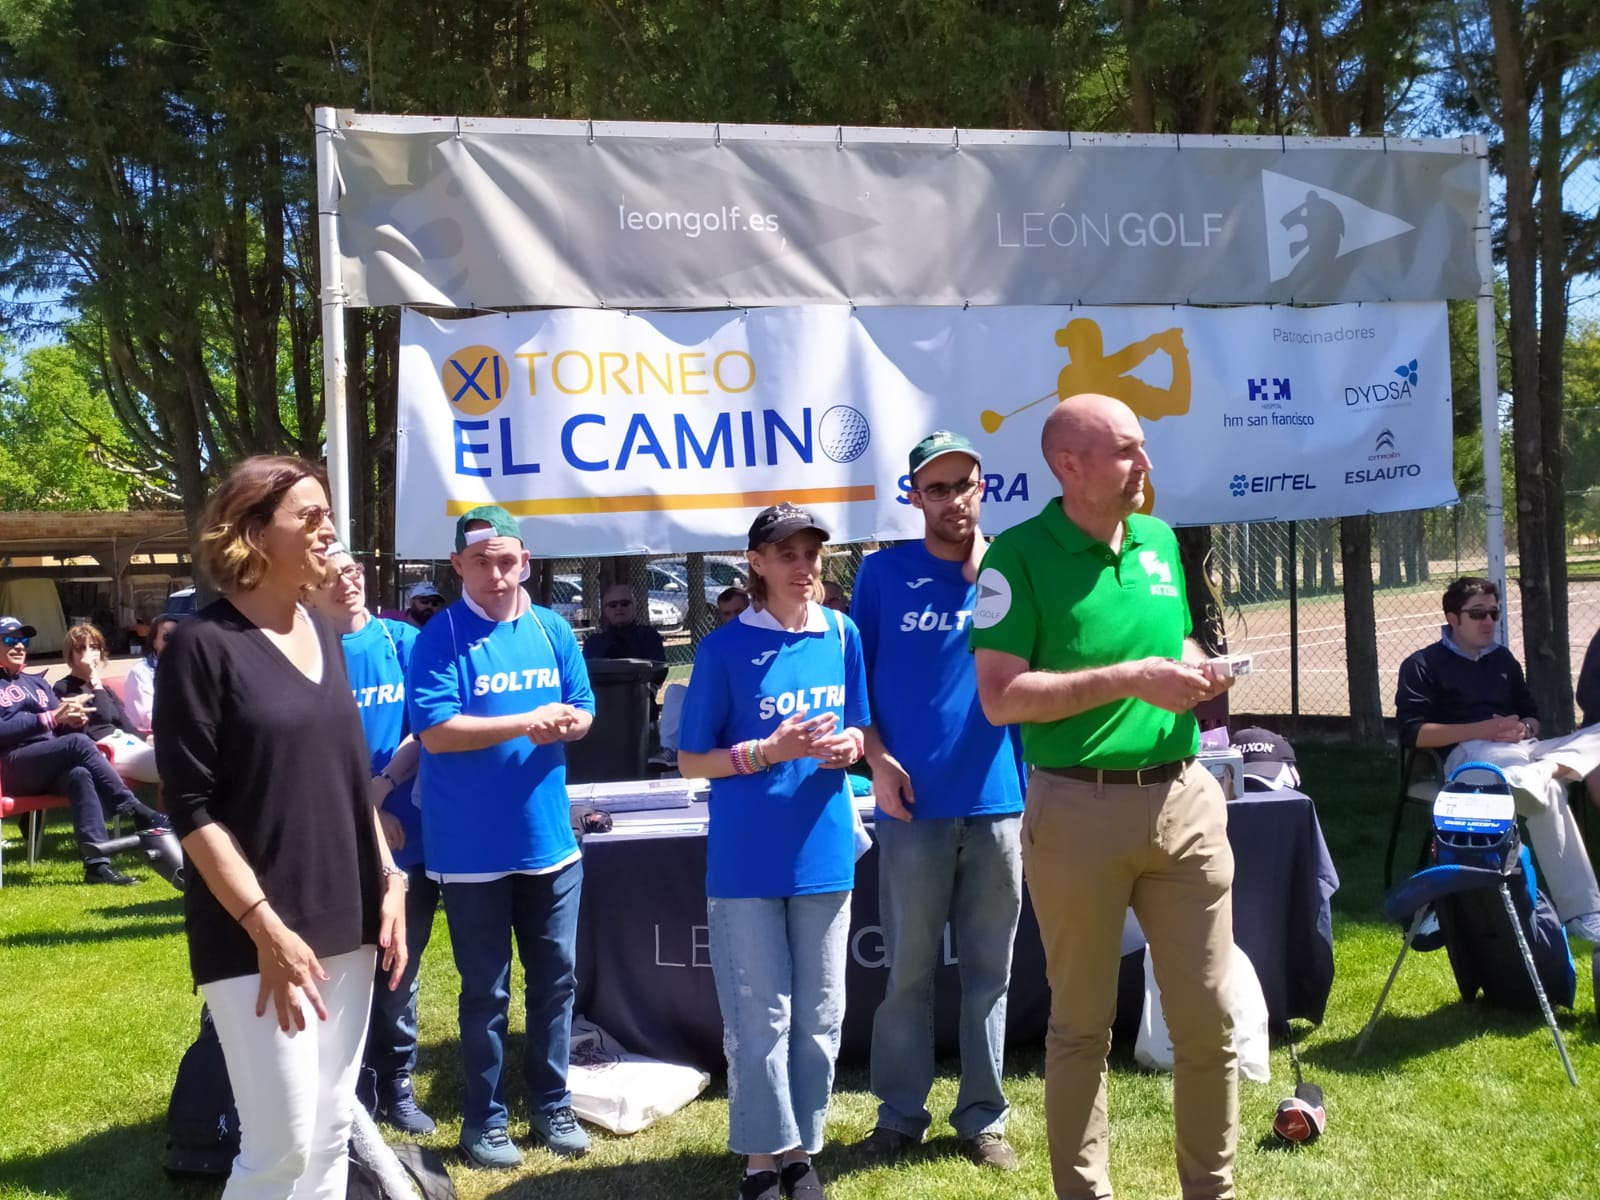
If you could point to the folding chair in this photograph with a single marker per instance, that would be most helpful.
(1421, 777)
(1476, 848)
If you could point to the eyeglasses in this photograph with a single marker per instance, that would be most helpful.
(314, 516)
(12, 639)
(1481, 614)
(351, 573)
(940, 492)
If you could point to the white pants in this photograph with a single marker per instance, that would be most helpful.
(294, 1090)
(1542, 801)
(134, 758)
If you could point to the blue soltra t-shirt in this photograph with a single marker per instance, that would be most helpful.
(503, 808)
(376, 657)
(913, 610)
(789, 830)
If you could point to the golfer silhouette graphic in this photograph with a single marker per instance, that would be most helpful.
(1090, 369)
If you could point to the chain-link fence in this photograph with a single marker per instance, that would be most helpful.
(1282, 585)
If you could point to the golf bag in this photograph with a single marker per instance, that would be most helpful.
(1483, 949)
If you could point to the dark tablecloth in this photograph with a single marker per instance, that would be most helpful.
(644, 967)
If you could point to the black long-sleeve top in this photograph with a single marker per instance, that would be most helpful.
(1588, 694)
(1438, 685)
(244, 739)
(107, 716)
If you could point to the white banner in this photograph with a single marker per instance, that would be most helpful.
(624, 433)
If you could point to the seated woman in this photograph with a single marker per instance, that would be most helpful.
(133, 756)
(43, 749)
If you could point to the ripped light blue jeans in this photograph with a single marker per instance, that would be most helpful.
(779, 964)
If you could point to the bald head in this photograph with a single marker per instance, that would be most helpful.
(1078, 422)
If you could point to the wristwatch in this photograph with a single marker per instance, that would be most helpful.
(397, 872)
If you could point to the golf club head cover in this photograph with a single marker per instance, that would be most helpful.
(1301, 1118)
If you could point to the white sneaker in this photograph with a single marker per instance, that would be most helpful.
(1587, 927)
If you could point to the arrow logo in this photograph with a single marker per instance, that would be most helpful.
(1385, 441)
(1307, 222)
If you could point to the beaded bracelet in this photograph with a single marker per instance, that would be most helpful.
(747, 758)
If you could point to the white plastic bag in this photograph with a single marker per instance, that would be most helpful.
(620, 1091)
(1153, 1047)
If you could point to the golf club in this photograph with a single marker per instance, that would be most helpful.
(1300, 1118)
(991, 420)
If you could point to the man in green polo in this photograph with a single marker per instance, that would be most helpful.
(1081, 630)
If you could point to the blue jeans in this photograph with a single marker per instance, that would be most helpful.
(542, 911)
(72, 765)
(967, 870)
(779, 964)
(392, 1034)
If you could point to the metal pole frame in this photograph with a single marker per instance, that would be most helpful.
(1489, 391)
(336, 414)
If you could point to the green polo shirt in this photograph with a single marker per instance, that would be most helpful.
(1051, 594)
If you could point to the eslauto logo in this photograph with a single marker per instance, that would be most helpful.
(694, 223)
(1384, 450)
(1394, 392)
(1309, 226)
(1259, 485)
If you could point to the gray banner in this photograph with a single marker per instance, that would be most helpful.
(492, 214)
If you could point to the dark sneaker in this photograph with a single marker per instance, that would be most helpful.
(882, 1147)
(990, 1150)
(104, 872)
(397, 1106)
(763, 1185)
(800, 1181)
(560, 1133)
(492, 1149)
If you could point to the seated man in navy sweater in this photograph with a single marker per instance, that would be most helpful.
(1466, 694)
(43, 749)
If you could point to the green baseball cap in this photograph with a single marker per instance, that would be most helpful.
(500, 522)
(939, 443)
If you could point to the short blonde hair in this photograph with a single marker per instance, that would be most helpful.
(80, 638)
(229, 550)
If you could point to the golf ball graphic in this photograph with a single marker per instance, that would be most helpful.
(843, 433)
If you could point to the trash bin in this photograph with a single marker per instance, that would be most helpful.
(618, 743)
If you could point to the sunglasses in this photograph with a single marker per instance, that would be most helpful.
(12, 639)
(314, 516)
(940, 492)
(1481, 614)
(619, 603)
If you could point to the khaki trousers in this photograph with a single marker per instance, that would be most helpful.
(1089, 851)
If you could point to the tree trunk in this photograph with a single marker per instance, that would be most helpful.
(1521, 251)
(1360, 624)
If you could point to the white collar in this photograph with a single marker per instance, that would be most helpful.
(762, 619)
(522, 608)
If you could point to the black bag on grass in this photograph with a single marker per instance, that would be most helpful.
(202, 1122)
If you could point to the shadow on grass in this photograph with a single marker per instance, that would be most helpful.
(170, 905)
(679, 1177)
(114, 933)
(1397, 1039)
(114, 1162)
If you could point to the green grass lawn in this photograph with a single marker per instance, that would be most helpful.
(1450, 1100)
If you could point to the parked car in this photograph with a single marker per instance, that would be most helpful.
(180, 604)
(721, 573)
(566, 599)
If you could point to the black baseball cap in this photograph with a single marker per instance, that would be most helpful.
(780, 521)
(1268, 756)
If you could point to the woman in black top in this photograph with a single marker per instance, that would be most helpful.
(266, 774)
(109, 724)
